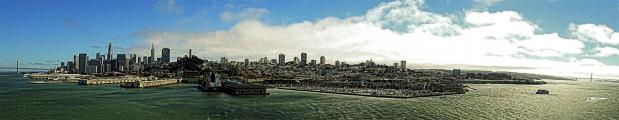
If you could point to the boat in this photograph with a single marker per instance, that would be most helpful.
(542, 91)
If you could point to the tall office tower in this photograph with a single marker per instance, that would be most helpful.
(337, 63)
(109, 52)
(100, 64)
(70, 65)
(76, 64)
(97, 56)
(303, 58)
(151, 59)
(139, 61)
(403, 64)
(62, 66)
(165, 55)
(322, 60)
(296, 60)
(189, 52)
(145, 59)
(395, 65)
(246, 62)
(121, 62)
(132, 59)
(83, 62)
(282, 59)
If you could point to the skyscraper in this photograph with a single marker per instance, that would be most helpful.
(83, 62)
(303, 58)
(151, 59)
(76, 64)
(322, 60)
(109, 52)
(282, 59)
(121, 62)
(246, 62)
(165, 55)
(403, 64)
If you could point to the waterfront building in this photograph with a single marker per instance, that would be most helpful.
(109, 51)
(83, 62)
(303, 58)
(165, 55)
(322, 60)
(240, 88)
(403, 64)
(282, 59)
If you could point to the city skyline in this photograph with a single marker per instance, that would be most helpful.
(479, 33)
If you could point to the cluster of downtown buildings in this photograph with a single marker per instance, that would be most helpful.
(111, 63)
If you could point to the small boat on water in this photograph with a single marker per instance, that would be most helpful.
(542, 91)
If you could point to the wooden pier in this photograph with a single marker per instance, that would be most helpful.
(104, 81)
(145, 84)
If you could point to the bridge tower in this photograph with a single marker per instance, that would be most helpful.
(17, 66)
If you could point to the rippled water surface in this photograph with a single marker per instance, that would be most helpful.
(568, 100)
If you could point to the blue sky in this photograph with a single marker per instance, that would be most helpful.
(43, 32)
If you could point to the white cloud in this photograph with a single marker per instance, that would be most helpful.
(244, 14)
(606, 51)
(483, 4)
(168, 6)
(389, 32)
(596, 33)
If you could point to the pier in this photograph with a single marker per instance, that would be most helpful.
(104, 81)
(145, 84)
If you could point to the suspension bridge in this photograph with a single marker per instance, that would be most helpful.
(22, 66)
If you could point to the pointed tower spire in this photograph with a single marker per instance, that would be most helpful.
(152, 53)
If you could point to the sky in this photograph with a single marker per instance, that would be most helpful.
(554, 37)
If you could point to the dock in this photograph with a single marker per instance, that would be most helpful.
(145, 84)
(104, 81)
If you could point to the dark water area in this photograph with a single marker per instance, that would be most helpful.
(567, 100)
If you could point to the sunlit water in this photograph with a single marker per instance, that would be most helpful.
(568, 100)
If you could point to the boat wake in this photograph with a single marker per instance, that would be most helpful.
(595, 99)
